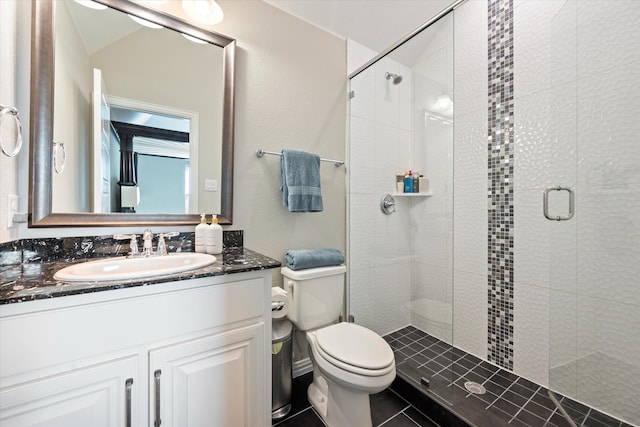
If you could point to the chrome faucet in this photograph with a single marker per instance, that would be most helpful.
(133, 243)
(147, 245)
(161, 250)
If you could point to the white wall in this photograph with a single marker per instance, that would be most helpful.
(291, 92)
(14, 71)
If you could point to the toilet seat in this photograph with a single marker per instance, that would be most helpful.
(353, 348)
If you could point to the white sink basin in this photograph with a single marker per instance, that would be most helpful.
(122, 268)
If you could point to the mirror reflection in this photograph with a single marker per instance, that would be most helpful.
(141, 124)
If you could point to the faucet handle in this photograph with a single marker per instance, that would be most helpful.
(162, 245)
(133, 244)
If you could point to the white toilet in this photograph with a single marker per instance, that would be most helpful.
(349, 361)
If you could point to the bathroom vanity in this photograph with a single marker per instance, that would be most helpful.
(189, 349)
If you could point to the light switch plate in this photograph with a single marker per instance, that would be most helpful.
(210, 185)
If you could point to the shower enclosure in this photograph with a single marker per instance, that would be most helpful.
(573, 187)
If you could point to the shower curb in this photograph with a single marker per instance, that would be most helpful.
(432, 407)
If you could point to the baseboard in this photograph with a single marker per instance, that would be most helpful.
(301, 367)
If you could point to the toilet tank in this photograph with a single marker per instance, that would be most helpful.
(315, 295)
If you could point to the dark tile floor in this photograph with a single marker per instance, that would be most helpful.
(387, 408)
(509, 400)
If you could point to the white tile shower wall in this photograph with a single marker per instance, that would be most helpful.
(379, 146)
(470, 178)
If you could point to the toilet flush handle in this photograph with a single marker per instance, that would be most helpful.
(290, 286)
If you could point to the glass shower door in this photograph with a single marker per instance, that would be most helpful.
(400, 275)
(595, 256)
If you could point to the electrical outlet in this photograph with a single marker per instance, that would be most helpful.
(12, 207)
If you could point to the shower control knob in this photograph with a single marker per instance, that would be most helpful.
(387, 204)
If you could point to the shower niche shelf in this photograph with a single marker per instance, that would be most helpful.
(429, 194)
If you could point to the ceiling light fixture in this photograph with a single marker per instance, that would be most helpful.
(91, 4)
(204, 11)
(145, 23)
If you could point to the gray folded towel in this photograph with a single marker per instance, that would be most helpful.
(299, 259)
(300, 181)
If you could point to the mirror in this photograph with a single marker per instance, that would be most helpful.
(83, 176)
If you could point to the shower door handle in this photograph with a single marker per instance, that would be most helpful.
(545, 204)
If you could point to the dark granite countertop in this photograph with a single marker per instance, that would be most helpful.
(29, 279)
(32, 281)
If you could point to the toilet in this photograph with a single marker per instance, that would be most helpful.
(350, 362)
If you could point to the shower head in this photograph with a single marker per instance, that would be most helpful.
(395, 78)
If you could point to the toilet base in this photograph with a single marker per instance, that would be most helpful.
(337, 405)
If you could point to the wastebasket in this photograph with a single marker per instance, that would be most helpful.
(281, 368)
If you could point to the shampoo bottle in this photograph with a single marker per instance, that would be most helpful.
(201, 231)
(408, 183)
(214, 237)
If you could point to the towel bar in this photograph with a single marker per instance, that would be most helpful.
(261, 153)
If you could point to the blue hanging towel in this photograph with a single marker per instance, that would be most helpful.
(300, 181)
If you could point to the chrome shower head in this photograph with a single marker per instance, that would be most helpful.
(395, 78)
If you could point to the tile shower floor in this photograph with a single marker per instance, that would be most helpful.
(509, 400)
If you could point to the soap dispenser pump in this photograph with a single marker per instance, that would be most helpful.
(214, 237)
(201, 235)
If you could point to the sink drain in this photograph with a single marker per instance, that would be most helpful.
(475, 388)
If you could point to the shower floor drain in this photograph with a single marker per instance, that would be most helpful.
(475, 388)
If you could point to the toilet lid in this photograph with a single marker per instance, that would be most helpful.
(355, 345)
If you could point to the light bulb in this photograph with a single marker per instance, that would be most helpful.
(91, 4)
(204, 11)
(443, 102)
(145, 23)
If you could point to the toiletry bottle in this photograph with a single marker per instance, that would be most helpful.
(214, 237)
(424, 184)
(400, 183)
(416, 182)
(201, 231)
(408, 183)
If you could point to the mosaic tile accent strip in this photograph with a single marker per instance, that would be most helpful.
(500, 191)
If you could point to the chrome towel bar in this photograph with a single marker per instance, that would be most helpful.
(261, 153)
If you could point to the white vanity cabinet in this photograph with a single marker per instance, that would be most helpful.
(185, 353)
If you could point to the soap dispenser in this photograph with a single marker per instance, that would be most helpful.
(201, 235)
(214, 237)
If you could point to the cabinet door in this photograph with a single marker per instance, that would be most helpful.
(215, 381)
(100, 395)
